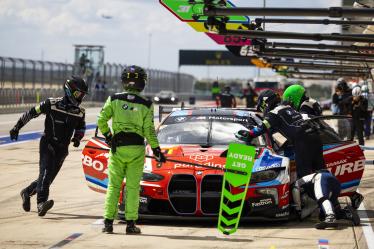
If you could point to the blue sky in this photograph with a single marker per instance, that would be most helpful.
(30, 28)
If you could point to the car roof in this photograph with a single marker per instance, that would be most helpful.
(211, 111)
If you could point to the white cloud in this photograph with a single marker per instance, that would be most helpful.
(54, 25)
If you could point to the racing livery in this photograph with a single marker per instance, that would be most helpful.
(202, 136)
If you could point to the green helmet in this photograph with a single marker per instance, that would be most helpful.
(294, 94)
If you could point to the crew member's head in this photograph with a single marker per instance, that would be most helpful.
(75, 89)
(267, 101)
(134, 78)
(227, 89)
(295, 95)
(356, 93)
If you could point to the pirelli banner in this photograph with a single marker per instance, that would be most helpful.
(211, 58)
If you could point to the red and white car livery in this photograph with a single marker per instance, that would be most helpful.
(201, 136)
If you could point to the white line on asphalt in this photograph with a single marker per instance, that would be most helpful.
(367, 228)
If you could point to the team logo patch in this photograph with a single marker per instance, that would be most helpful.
(180, 119)
(201, 158)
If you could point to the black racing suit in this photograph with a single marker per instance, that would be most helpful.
(227, 100)
(304, 136)
(311, 107)
(63, 120)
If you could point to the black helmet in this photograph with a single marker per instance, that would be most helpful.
(342, 85)
(267, 100)
(75, 89)
(227, 89)
(134, 78)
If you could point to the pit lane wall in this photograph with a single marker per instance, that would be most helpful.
(23, 82)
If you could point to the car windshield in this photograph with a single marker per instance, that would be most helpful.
(204, 130)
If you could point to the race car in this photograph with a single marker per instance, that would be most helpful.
(201, 136)
(166, 97)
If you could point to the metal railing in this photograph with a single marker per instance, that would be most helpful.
(24, 82)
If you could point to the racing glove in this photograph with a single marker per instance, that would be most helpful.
(242, 135)
(159, 155)
(76, 142)
(108, 138)
(14, 134)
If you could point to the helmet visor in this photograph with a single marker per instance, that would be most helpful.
(79, 95)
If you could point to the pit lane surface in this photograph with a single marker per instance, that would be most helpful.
(78, 211)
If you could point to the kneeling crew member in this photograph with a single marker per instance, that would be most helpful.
(132, 121)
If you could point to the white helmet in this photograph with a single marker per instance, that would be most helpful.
(364, 89)
(356, 91)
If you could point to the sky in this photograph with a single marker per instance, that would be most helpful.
(139, 30)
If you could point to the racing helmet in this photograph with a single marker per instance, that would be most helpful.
(227, 89)
(356, 91)
(75, 89)
(134, 78)
(342, 85)
(267, 100)
(365, 89)
(294, 94)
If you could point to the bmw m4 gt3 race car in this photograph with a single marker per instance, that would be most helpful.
(201, 136)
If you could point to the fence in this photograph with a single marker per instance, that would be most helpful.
(28, 81)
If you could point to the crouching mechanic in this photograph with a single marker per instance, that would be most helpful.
(63, 118)
(325, 188)
(295, 95)
(132, 121)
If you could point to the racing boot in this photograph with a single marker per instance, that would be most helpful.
(25, 200)
(108, 226)
(43, 207)
(356, 200)
(131, 228)
(329, 221)
(352, 215)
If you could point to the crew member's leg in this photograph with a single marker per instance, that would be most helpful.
(116, 175)
(134, 171)
(326, 190)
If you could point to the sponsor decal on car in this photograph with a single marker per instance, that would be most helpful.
(95, 164)
(186, 165)
(262, 202)
(201, 157)
(143, 200)
(283, 214)
(344, 167)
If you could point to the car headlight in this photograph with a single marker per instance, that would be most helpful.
(264, 176)
(172, 99)
(156, 98)
(151, 177)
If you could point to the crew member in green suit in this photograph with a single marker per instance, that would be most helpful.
(132, 121)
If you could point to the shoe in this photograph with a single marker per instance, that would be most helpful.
(25, 200)
(351, 214)
(108, 226)
(329, 221)
(44, 207)
(131, 228)
(356, 200)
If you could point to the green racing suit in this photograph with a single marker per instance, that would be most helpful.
(132, 121)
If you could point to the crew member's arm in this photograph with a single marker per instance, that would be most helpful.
(104, 116)
(79, 130)
(271, 120)
(150, 135)
(218, 100)
(34, 112)
(233, 101)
